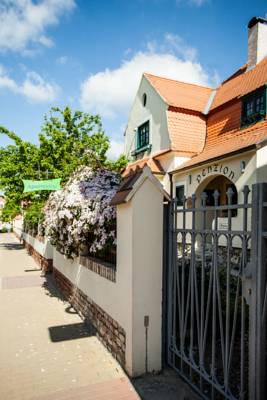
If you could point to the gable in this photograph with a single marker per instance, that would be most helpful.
(154, 111)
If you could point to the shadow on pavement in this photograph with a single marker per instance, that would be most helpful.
(33, 270)
(51, 289)
(166, 385)
(66, 332)
(11, 246)
(71, 332)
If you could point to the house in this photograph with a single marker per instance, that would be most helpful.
(194, 137)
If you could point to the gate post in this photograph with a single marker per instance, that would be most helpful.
(257, 336)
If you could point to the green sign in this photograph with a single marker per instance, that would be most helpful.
(50, 184)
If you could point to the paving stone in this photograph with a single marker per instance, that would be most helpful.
(46, 352)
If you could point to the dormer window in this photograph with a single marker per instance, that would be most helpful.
(253, 107)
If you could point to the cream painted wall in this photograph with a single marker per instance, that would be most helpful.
(43, 248)
(137, 291)
(17, 226)
(154, 112)
(262, 164)
(169, 163)
(200, 177)
(113, 297)
(147, 276)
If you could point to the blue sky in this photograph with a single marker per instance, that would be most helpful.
(90, 54)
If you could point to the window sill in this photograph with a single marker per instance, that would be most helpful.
(141, 150)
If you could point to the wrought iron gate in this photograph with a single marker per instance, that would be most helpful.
(216, 295)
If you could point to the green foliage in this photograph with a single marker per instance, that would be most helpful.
(68, 139)
(17, 161)
(33, 218)
(117, 165)
(10, 210)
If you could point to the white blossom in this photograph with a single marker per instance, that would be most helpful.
(81, 213)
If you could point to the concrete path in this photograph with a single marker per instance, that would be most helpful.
(46, 352)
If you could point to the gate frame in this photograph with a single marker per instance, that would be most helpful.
(256, 285)
(257, 334)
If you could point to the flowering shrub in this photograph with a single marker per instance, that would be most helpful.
(79, 217)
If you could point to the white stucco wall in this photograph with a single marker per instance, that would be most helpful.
(202, 175)
(113, 297)
(154, 112)
(147, 276)
(169, 163)
(261, 164)
(17, 226)
(137, 291)
(44, 248)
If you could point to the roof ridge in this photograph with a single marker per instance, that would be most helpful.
(178, 81)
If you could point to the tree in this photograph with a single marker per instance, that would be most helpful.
(68, 139)
(17, 161)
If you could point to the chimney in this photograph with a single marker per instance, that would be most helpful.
(257, 41)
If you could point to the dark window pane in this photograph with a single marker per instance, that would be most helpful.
(143, 135)
(249, 108)
(210, 197)
(254, 107)
(179, 194)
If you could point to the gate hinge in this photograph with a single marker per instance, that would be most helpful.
(247, 283)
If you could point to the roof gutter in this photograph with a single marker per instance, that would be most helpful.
(261, 144)
(243, 150)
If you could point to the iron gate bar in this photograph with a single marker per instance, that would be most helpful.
(258, 319)
(195, 306)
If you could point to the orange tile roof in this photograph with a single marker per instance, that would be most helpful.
(241, 83)
(217, 134)
(228, 144)
(181, 94)
(187, 131)
(154, 165)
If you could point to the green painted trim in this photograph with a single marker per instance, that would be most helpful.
(141, 150)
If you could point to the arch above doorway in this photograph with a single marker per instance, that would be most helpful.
(220, 183)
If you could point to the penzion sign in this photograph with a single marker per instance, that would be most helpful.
(216, 168)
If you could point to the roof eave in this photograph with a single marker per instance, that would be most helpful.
(242, 150)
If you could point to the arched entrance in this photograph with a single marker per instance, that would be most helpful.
(221, 184)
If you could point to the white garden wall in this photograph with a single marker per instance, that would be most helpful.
(137, 291)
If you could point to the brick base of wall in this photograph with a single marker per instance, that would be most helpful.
(111, 334)
(45, 264)
(100, 269)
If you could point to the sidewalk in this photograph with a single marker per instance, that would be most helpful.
(46, 352)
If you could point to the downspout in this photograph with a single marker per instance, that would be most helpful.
(171, 185)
